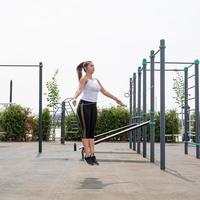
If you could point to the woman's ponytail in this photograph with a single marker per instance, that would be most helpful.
(79, 70)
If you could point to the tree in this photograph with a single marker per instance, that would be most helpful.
(53, 99)
(53, 91)
(178, 87)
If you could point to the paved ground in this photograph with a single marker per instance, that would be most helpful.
(58, 173)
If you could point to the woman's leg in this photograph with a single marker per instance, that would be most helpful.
(86, 145)
(84, 116)
(91, 142)
(93, 157)
(92, 133)
(93, 127)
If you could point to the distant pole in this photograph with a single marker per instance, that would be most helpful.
(131, 109)
(11, 89)
(40, 107)
(63, 124)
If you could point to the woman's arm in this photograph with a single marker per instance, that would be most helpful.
(108, 94)
(82, 83)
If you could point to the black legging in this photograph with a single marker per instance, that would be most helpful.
(87, 113)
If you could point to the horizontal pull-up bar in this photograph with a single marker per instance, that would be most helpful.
(2, 103)
(167, 70)
(175, 63)
(19, 65)
(40, 67)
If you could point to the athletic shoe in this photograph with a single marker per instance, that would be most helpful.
(89, 160)
(94, 160)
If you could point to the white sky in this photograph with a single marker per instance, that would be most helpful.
(116, 35)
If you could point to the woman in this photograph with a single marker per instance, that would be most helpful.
(87, 110)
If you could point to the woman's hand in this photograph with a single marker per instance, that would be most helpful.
(119, 102)
(74, 102)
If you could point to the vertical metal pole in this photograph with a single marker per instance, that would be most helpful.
(152, 112)
(11, 89)
(139, 110)
(144, 129)
(40, 107)
(131, 109)
(197, 129)
(189, 122)
(62, 139)
(162, 104)
(186, 138)
(134, 109)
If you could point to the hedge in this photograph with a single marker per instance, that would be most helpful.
(18, 124)
(112, 118)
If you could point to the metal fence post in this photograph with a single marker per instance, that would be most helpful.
(11, 91)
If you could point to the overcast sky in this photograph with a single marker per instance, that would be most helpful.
(115, 34)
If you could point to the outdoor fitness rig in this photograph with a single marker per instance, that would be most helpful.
(140, 116)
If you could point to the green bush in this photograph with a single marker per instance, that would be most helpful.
(32, 128)
(19, 125)
(2, 133)
(1, 121)
(13, 122)
(46, 125)
(112, 118)
(171, 124)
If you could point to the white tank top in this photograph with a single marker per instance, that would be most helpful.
(90, 90)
